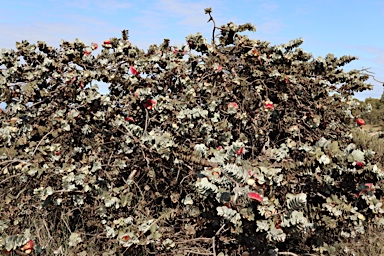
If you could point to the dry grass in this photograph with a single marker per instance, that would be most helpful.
(373, 128)
(371, 243)
(371, 139)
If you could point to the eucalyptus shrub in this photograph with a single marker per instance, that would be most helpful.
(236, 139)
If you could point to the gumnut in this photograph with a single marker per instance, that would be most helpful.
(255, 196)
(360, 121)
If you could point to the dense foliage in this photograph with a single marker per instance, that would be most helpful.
(229, 146)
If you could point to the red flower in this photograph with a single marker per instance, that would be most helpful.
(360, 164)
(126, 238)
(133, 70)
(369, 186)
(366, 188)
(150, 103)
(94, 46)
(219, 147)
(57, 153)
(360, 121)
(255, 196)
(72, 80)
(278, 224)
(219, 68)
(130, 119)
(287, 79)
(239, 151)
(107, 42)
(233, 105)
(28, 246)
(269, 106)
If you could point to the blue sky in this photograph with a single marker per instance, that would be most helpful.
(341, 27)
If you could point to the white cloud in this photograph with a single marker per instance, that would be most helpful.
(270, 27)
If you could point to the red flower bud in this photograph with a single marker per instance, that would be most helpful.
(360, 164)
(107, 42)
(94, 46)
(369, 186)
(130, 119)
(126, 238)
(133, 71)
(28, 246)
(57, 153)
(150, 103)
(287, 79)
(360, 121)
(86, 52)
(233, 105)
(239, 151)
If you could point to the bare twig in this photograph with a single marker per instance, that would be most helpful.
(214, 237)
(13, 176)
(110, 157)
(199, 253)
(38, 144)
(13, 161)
(193, 240)
(370, 74)
(132, 174)
(146, 121)
(214, 27)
